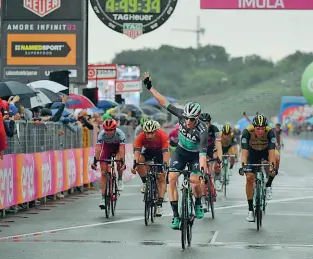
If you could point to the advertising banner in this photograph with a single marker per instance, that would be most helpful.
(50, 10)
(128, 79)
(257, 4)
(31, 50)
(26, 177)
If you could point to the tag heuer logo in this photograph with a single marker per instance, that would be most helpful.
(42, 7)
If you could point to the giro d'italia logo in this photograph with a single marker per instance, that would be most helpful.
(42, 7)
(310, 85)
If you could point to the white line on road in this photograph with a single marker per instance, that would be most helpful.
(53, 231)
(214, 237)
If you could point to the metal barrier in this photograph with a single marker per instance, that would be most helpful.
(129, 133)
(32, 137)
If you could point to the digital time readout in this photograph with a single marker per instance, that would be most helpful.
(133, 6)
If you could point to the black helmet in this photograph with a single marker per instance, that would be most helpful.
(205, 117)
(259, 121)
(226, 129)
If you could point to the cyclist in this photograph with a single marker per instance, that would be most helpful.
(151, 144)
(229, 144)
(214, 150)
(111, 140)
(138, 129)
(173, 139)
(258, 144)
(192, 148)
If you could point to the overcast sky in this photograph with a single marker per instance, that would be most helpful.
(271, 34)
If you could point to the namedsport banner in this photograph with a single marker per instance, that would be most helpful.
(40, 36)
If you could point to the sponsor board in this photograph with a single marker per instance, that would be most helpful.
(31, 50)
(49, 10)
(128, 86)
(101, 71)
(257, 4)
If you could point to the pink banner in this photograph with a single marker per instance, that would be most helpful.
(60, 170)
(90, 176)
(8, 182)
(257, 4)
(47, 184)
(27, 175)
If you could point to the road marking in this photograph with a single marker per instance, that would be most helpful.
(214, 237)
(284, 214)
(53, 231)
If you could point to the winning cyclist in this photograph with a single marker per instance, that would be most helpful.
(151, 144)
(229, 145)
(258, 145)
(192, 148)
(214, 150)
(111, 140)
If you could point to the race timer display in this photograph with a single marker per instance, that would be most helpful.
(133, 17)
(133, 6)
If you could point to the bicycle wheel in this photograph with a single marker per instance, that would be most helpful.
(152, 199)
(264, 199)
(184, 218)
(258, 210)
(114, 195)
(190, 219)
(224, 180)
(147, 202)
(108, 195)
(209, 199)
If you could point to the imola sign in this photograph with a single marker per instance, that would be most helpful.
(257, 4)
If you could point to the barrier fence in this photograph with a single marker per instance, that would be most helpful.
(46, 159)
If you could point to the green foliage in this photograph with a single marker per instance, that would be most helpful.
(196, 73)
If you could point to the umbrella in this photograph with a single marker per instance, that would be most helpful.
(106, 104)
(11, 88)
(77, 101)
(50, 85)
(40, 99)
(153, 101)
(54, 97)
(65, 113)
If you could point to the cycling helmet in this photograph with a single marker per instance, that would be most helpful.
(109, 124)
(149, 126)
(192, 110)
(142, 121)
(226, 129)
(205, 117)
(259, 121)
(157, 125)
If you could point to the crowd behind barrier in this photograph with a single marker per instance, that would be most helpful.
(44, 159)
(301, 148)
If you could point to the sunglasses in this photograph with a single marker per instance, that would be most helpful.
(110, 130)
(191, 119)
(149, 133)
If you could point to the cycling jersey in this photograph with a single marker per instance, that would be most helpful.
(110, 145)
(159, 143)
(228, 142)
(258, 147)
(193, 140)
(213, 135)
(174, 137)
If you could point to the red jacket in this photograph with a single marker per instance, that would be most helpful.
(3, 144)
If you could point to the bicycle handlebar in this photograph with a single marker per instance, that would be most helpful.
(110, 160)
(244, 166)
(229, 156)
(148, 164)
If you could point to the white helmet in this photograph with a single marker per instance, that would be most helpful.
(157, 125)
(149, 126)
(192, 110)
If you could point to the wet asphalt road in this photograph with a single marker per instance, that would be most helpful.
(76, 228)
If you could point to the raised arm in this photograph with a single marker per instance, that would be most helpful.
(159, 97)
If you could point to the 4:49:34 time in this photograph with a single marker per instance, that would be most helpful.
(133, 6)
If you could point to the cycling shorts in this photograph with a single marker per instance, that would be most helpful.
(227, 148)
(108, 150)
(210, 152)
(155, 156)
(180, 159)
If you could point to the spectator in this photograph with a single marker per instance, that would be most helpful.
(3, 144)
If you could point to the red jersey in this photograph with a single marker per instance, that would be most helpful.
(159, 143)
